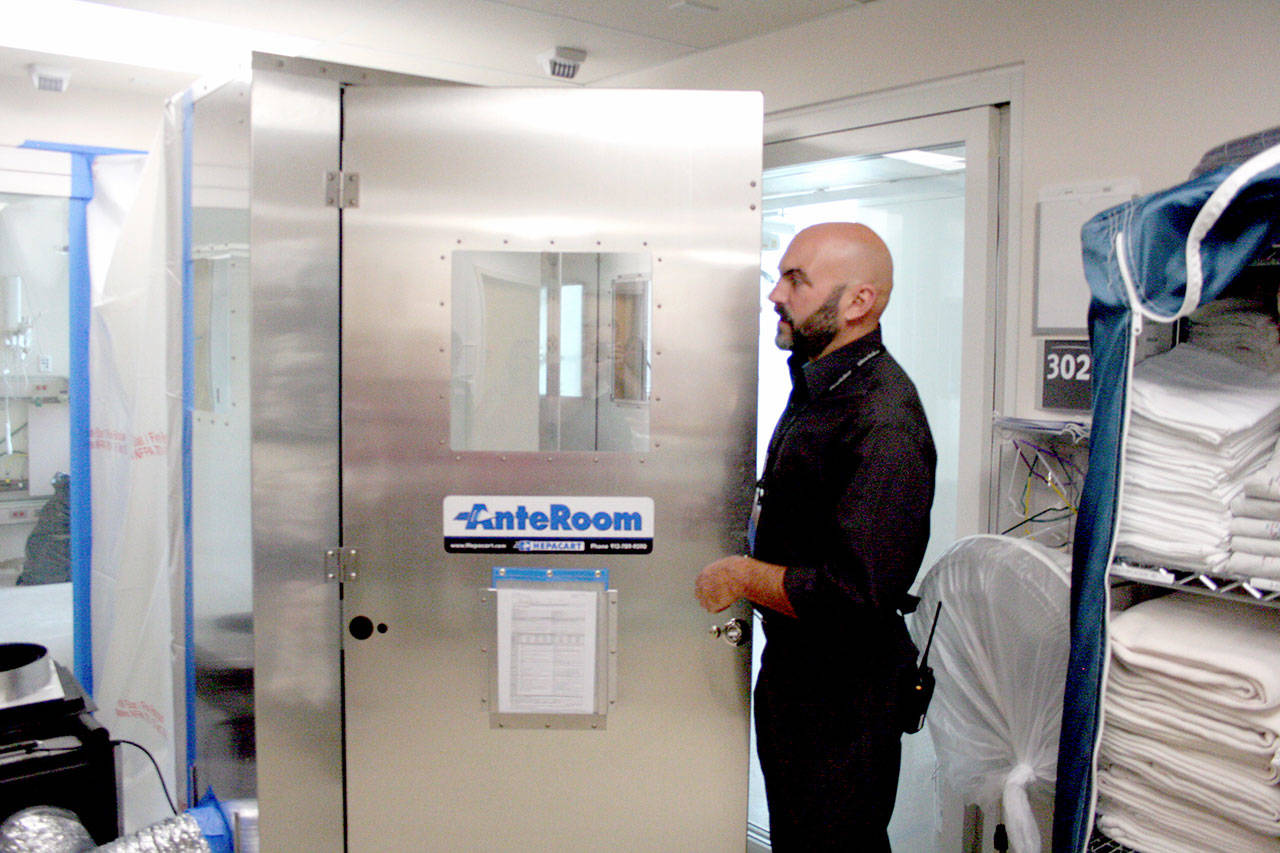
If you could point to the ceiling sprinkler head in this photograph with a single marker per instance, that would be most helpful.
(562, 62)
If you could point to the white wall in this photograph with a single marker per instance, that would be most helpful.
(1135, 88)
(79, 116)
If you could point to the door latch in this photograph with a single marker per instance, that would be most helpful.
(735, 632)
(340, 565)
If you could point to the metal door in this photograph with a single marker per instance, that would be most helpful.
(512, 194)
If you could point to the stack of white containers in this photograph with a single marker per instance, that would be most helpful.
(1190, 751)
(1200, 425)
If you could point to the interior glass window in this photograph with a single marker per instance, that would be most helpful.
(551, 351)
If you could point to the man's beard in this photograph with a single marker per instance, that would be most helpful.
(815, 332)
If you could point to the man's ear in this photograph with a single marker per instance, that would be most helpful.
(860, 299)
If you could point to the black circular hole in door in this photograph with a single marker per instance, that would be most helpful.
(361, 627)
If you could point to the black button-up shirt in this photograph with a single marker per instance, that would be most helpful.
(845, 500)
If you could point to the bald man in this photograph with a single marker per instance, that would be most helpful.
(842, 528)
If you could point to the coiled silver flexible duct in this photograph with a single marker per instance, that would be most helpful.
(45, 829)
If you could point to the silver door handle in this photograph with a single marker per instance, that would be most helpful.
(735, 632)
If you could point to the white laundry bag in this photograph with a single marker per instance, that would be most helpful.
(999, 655)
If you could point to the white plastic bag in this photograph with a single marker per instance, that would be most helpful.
(999, 656)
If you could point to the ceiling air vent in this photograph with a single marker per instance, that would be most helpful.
(562, 62)
(48, 79)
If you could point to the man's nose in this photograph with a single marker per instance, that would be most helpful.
(778, 295)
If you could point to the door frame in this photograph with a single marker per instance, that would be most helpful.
(984, 109)
(880, 114)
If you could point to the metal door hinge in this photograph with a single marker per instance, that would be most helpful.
(341, 189)
(340, 565)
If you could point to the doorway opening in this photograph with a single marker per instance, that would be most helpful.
(927, 187)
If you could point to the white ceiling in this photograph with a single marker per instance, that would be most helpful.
(488, 42)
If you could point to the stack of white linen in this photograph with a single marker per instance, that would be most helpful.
(1190, 755)
(1255, 524)
(1200, 424)
(1244, 330)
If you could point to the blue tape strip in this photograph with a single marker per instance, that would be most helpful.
(529, 575)
(79, 300)
(89, 151)
(188, 406)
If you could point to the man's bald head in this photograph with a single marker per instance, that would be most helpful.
(835, 280)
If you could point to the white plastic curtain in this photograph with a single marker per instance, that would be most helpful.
(135, 452)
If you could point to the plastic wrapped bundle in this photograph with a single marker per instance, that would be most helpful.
(1000, 657)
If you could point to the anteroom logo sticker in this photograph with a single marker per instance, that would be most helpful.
(539, 524)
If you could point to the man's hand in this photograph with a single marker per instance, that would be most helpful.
(721, 583)
(728, 579)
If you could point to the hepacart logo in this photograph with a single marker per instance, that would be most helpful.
(548, 524)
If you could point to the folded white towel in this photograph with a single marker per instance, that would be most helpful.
(1252, 566)
(1200, 778)
(1255, 545)
(1217, 650)
(1181, 825)
(1202, 393)
(1247, 507)
(1144, 705)
(1259, 528)
(1265, 485)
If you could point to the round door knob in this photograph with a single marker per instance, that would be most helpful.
(735, 632)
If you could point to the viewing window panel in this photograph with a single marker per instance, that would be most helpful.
(551, 351)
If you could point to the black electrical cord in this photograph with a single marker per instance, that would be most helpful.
(1039, 518)
(154, 764)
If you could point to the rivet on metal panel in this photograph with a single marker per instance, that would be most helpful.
(459, 241)
(753, 183)
(443, 257)
(753, 207)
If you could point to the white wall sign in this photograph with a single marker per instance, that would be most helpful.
(543, 524)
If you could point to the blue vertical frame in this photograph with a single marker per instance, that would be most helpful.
(188, 407)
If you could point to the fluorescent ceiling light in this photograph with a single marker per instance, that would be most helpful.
(932, 159)
(112, 34)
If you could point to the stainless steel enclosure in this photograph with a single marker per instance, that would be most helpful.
(357, 448)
